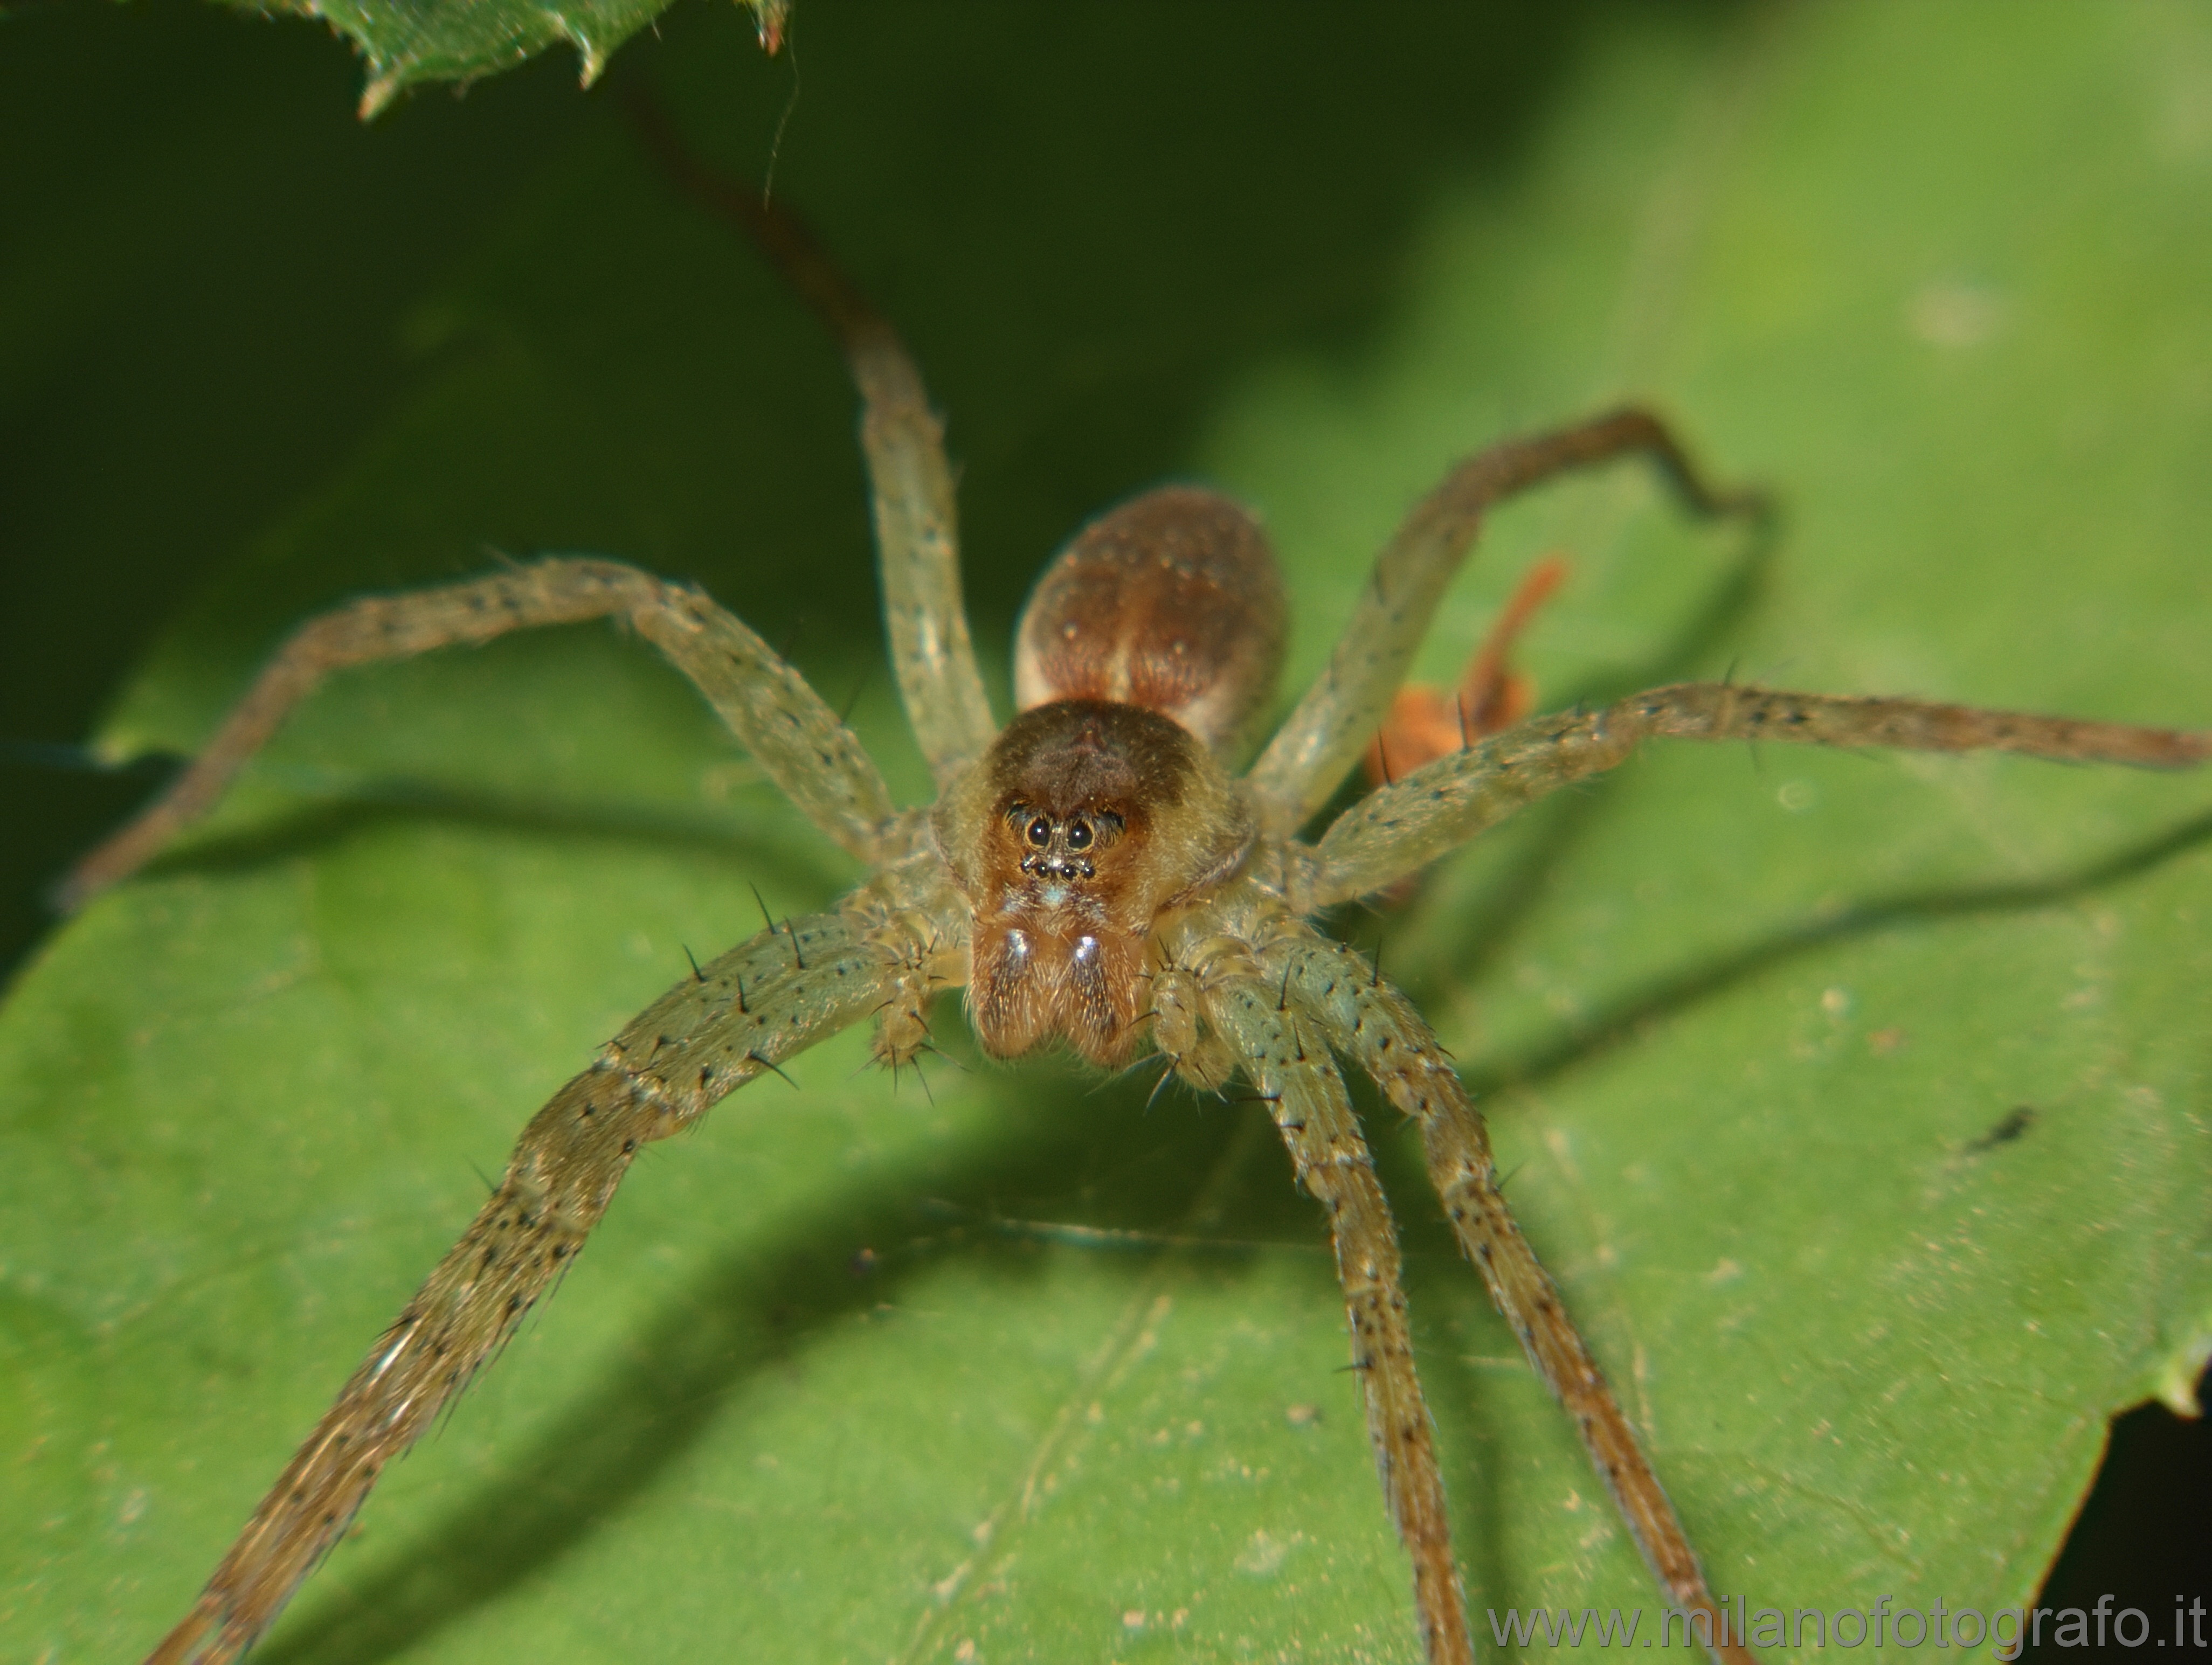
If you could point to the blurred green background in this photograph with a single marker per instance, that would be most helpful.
(1937, 277)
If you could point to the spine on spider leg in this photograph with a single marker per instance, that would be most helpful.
(1315, 1117)
(1375, 1025)
(803, 980)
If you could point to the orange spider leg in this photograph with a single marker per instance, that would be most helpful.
(1424, 725)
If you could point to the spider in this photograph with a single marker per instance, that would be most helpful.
(1093, 875)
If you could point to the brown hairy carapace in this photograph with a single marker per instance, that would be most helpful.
(1085, 822)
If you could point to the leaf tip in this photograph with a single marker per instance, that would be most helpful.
(2176, 1386)
(591, 53)
(378, 94)
(773, 18)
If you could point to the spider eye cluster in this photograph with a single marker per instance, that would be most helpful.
(1057, 843)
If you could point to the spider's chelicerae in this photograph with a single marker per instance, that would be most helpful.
(1093, 874)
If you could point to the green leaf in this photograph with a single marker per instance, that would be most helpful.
(415, 43)
(1016, 1367)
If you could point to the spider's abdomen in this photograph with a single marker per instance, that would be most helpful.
(1171, 601)
(1085, 822)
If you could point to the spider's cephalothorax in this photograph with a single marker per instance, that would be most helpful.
(1149, 642)
(1091, 867)
(1086, 822)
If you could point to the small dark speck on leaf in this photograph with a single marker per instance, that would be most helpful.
(2008, 1128)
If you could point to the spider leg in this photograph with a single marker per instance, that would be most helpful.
(1306, 1094)
(1324, 737)
(1370, 1022)
(802, 981)
(910, 481)
(1401, 829)
(794, 736)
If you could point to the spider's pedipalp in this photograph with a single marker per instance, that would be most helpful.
(797, 740)
(1286, 1055)
(1397, 831)
(918, 924)
(694, 1044)
(1323, 738)
(1193, 1047)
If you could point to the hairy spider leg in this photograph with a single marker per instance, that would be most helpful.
(1397, 831)
(1401, 829)
(910, 481)
(740, 1015)
(1321, 739)
(895, 944)
(1288, 1062)
(1373, 1024)
(1426, 724)
(798, 740)
(1344, 1006)
(791, 732)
